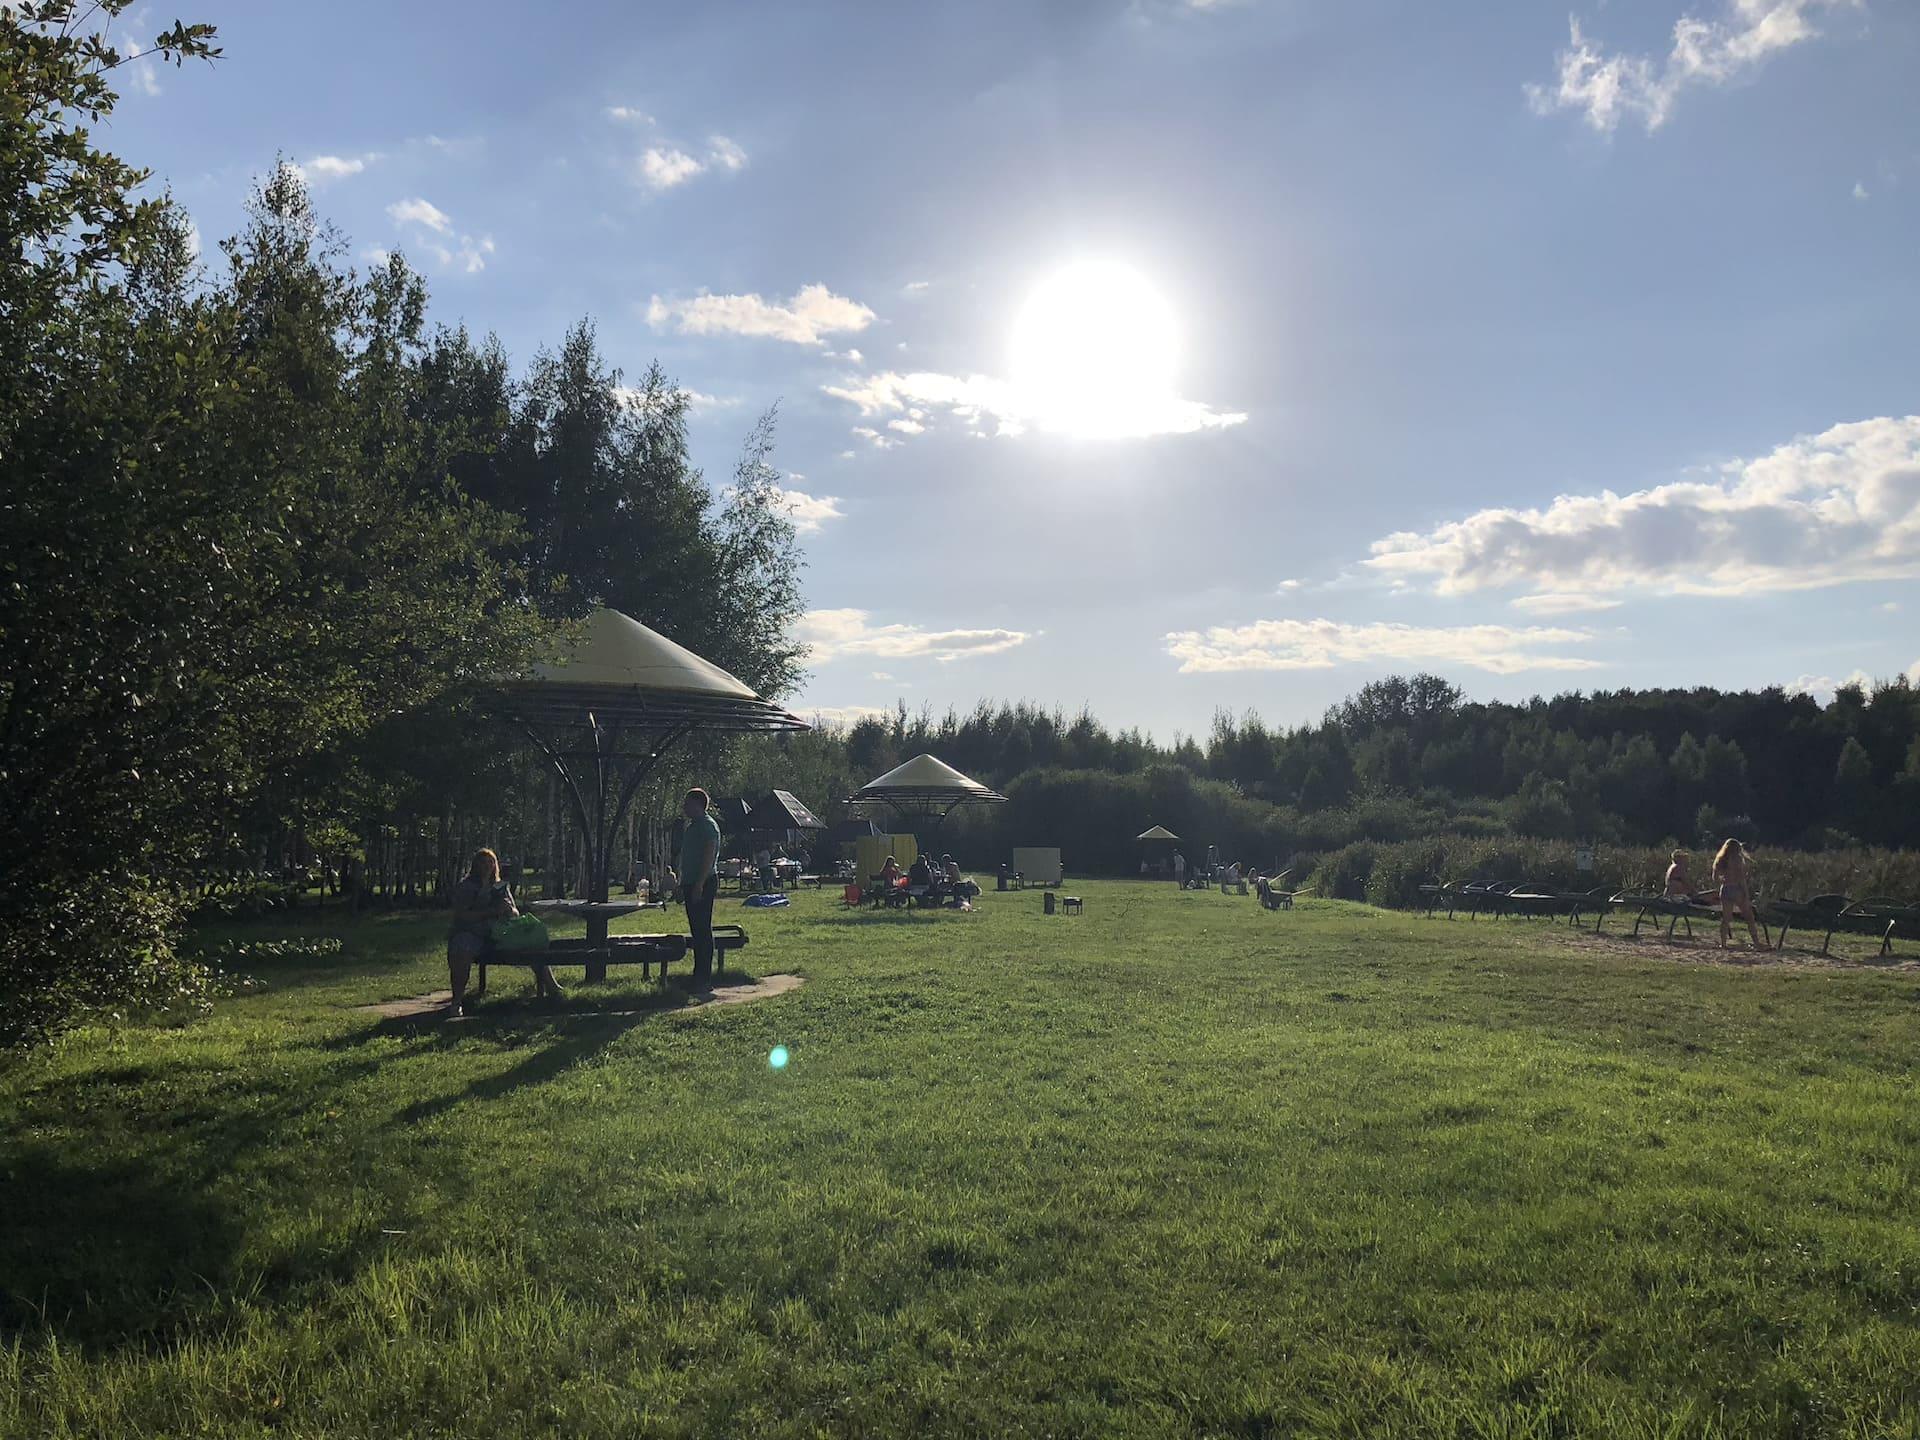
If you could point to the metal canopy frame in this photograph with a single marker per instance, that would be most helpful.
(930, 804)
(603, 741)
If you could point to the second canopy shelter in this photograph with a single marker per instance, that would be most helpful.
(921, 794)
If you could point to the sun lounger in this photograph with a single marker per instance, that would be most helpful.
(1538, 900)
(1272, 899)
(1676, 912)
(1887, 917)
(1822, 912)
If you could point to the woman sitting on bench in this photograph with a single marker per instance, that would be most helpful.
(479, 900)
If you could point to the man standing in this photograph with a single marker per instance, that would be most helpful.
(1179, 870)
(699, 878)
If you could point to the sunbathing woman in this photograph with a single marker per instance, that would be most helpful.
(1679, 883)
(1736, 891)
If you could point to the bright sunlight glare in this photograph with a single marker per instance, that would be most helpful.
(1094, 351)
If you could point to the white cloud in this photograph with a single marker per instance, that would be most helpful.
(141, 76)
(1607, 88)
(324, 169)
(628, 113)
(1821, 510)
(420, 212)
(984, 402)
(662, 168)
(810, 512)
(844, 716)
(696, 401)
(468, 256)
(873, 437)
(375, 255)
(435, 233)
(813, 313)
(1822, 687)
(1860, 191)
(915, 287)
(850, 355)
(1562, 604)
(907, 426)
(1288, 585)
(830, 634)
(1321, 644)
(881, 675)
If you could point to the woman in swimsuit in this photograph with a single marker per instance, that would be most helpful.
(1736, 891)
(1679, 883)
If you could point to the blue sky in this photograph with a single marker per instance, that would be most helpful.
(1163, 356)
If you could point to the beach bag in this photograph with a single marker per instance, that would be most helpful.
(522, 932)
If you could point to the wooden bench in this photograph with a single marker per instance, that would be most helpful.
(646, 951)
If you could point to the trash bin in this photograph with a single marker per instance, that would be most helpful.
(1046, 903)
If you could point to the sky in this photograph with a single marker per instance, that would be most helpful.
(1160, 356)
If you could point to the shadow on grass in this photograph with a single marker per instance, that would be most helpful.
(580, 1027)
(102, 1255)
(579, 1041)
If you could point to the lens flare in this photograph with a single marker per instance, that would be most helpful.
(778, 1057)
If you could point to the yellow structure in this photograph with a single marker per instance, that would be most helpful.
(871, 853)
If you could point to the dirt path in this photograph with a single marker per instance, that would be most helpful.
(1706, 951)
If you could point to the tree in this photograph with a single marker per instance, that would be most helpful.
(222, 560)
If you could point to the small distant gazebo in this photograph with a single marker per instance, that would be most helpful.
(1159, 834)
(780, 811)
(605, 713)
(924, 790)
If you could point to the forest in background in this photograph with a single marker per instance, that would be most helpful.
(1407, 758)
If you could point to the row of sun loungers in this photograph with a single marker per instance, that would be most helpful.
(1478, 898)
(1881, 916)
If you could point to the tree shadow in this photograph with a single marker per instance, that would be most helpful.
(576, 1030)
(104, 1255)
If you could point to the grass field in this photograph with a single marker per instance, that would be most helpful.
(1171, 1167)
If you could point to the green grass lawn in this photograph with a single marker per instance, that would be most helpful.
(1171, 1167)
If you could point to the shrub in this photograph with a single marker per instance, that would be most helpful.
(1391, 875)
(99, 950)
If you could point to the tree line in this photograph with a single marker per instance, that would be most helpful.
(1407, 757)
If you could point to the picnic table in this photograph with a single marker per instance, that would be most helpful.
(646, 951)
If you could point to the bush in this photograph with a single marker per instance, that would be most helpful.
(1391, 875)
(102, 950)
(1344, 874)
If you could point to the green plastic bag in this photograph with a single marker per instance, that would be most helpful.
(522, 932)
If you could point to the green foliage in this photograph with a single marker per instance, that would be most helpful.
(261, 538)
(1391, 875)
(105, 948)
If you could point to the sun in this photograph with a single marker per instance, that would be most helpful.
(1094, 350)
